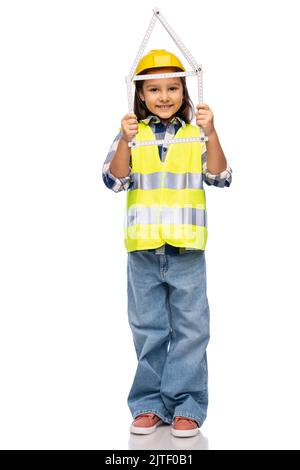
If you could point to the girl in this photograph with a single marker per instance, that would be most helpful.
(165, 237)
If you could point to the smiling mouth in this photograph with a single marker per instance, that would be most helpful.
(165, 106)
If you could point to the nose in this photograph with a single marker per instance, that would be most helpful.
(164, 96)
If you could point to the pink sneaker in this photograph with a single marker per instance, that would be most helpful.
(145, 423)
(184, 427)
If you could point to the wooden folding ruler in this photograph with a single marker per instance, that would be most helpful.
(197, 71)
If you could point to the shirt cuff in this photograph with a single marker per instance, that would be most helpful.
(121, 184)
(219, 179)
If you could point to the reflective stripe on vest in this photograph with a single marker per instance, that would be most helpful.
(167, 201)
(173, 181)
(170, 215)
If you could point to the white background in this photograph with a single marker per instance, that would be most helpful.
(66, 353)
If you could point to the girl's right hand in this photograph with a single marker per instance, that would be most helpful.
(129, 127)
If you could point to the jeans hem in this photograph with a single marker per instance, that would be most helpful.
(158, 413)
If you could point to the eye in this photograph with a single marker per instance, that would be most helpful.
(153, 89)
(173, 88)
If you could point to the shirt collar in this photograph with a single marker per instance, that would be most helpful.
(156, 120)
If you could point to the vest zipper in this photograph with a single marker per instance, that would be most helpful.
(161, 197)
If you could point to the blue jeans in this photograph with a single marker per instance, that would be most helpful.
(168, 314)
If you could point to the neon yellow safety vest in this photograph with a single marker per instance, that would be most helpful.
(167, 201)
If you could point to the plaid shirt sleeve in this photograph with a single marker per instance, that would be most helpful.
(221, 179)
(111, 181)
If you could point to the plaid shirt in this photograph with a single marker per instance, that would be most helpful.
(161, 132)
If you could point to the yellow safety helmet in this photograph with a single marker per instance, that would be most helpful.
(158, 58)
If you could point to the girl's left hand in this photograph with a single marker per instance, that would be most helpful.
(205, 118)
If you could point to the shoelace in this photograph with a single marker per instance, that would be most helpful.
(180, 418)
(147, 415)
(186, 419)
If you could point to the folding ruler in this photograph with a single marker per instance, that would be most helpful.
(197, 70)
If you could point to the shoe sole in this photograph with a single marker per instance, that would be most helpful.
(184, 432)
(143, 430)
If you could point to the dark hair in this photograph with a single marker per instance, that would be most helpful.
(185, 112)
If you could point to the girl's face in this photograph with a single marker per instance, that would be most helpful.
(163, 96)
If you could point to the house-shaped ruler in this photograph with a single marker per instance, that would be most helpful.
(197, 71)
